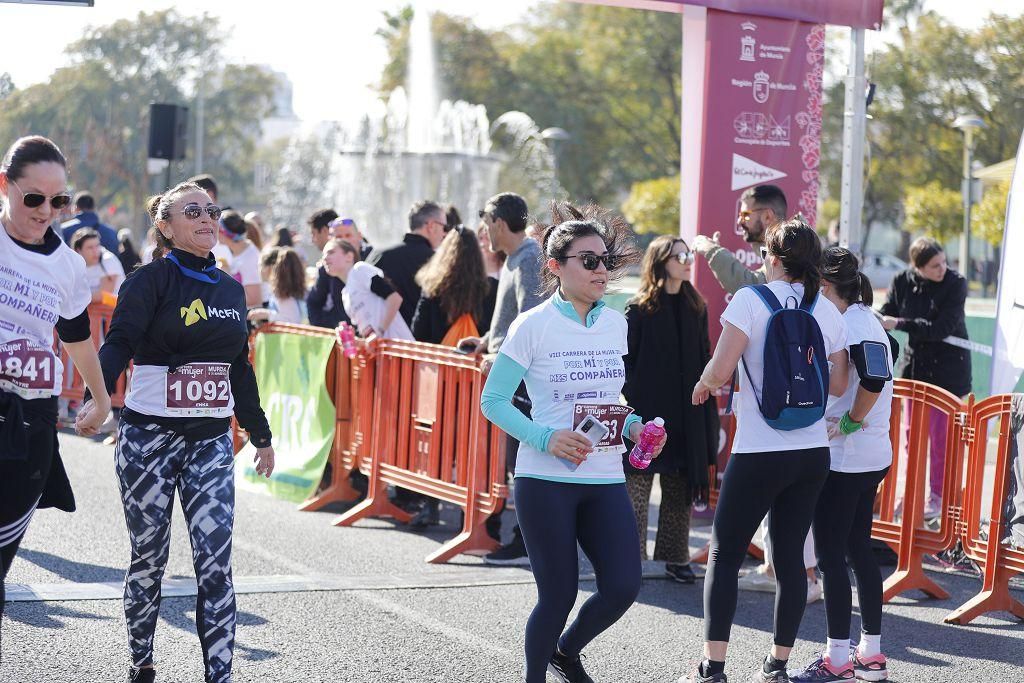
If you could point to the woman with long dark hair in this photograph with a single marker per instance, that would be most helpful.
(453, 291)
(774, 466)
(861, 452)
(668, 350)
(568, 489)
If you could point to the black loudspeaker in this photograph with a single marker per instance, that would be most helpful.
(168, 131)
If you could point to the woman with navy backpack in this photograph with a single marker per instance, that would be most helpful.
(787, 336)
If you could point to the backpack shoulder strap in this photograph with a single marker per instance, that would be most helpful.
(768, 297)
(810, 308)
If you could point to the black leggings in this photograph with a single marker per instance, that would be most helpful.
(842, 528)
(26, 456)
(553, 517)
(787, 484)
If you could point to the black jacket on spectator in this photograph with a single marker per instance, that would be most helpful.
(930, 312)
(430, 323)
(400, 264)
(667, 352)
(323, 302)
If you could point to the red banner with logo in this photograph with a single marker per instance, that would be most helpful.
(762, 124)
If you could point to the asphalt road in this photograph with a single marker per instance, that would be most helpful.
(321, 603)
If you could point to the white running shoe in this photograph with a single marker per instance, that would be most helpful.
(760, 579)
(814, 590)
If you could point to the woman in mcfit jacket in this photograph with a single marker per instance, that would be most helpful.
(569, 351)
(781, 471)
(182, 322)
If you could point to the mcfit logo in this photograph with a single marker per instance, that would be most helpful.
(193, 313)
(196, 311)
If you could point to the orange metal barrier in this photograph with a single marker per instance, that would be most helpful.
(74, 385)
(996, 559)
(429, 436)
(906, 532)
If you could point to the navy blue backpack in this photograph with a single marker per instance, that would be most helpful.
(794, 388)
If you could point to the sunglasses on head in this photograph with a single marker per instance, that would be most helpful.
(591, 261)
(193, 211)
(34, 199)
(340, 221)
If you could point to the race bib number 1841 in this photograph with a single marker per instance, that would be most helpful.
(25, 370)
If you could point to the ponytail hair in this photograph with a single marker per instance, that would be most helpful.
(841, 269)
(798, 247)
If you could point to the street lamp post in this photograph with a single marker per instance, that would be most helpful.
(554, 137)
(967, 124)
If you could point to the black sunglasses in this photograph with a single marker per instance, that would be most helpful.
(34, 199)
(684, 257)
(764, 253)
(591, 261)
(194, 211)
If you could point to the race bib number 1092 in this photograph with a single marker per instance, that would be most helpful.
(198, 389)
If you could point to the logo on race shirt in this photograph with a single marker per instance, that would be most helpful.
(196, 311)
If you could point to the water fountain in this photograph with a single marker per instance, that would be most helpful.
(416, 146)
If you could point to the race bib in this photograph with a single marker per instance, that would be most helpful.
(611, 415)
(198, 389)
(26, 370)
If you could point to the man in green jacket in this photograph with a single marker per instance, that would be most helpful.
(760, 206)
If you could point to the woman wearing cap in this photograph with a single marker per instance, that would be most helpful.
(43, 288)
(569, 490)
(239, 257)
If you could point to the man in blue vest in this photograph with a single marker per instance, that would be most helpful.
(86, 217)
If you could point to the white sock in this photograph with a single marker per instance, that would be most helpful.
(838, 651)
(869, 645)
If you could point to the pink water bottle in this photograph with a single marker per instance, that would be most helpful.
(652, 434)
(347, 337)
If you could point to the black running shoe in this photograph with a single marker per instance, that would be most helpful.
(429, 515)
(696, 677)
(147, 675)
(568, 669)
(513, 554)
(682, 573)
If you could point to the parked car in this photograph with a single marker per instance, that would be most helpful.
(882, 268)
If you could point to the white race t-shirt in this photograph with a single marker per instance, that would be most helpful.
(569, 365)
(108, 265)
(749, 313)
(868, 449)
(245, 267)
(365, 308)
(35, 290)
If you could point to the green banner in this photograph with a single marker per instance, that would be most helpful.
(290, 371)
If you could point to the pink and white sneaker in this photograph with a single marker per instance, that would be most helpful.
(870, 668)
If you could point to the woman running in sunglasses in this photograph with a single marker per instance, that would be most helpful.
(182, 321)
(569, 489)
(43, 287)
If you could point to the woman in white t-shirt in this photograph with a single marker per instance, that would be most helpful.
(370, 301)
(569, 350)
(770, 469)
(42, 289)
(238, 257)
(861, 456)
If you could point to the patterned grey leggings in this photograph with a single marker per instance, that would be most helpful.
(150, 462)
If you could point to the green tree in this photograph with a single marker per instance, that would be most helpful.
(933, 210)
(988, 218)
(96, 109)
(653, 206)
(609, 76)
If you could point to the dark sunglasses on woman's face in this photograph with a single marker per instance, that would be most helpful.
(685, 258)
(591, 261)
(34, 199)
(194, 211)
